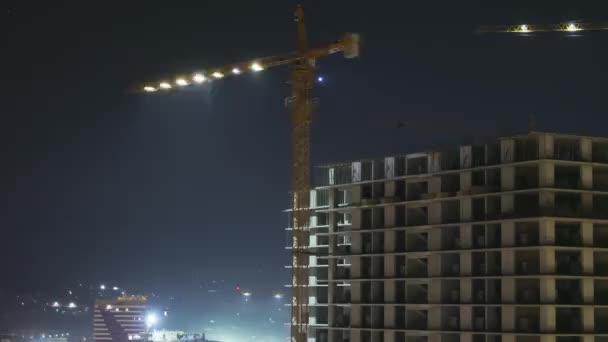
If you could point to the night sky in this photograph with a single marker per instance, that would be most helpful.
(164, 191)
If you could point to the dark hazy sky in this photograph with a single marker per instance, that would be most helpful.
(101, 183)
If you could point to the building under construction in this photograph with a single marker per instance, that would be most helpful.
(506, 241)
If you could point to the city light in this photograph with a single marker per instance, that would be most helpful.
(217, 74)
(236, 71)
(103, 287)
(55, 304)
(524, 28)
(182, 83)
(115, 288)
(246, 293)
(256, 66)
(572, 27)
(108, 307)
(72, 305)
(320, 79)
(199, 78)
(278, 296)
(151, 319)
(165, 85)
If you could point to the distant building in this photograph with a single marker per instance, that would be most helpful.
(120, 319)
(8, 338)
(176, 336)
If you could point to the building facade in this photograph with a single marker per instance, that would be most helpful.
(501, 242)
(120, 319)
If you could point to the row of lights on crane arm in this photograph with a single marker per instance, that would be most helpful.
(571, 27)
(200, 78)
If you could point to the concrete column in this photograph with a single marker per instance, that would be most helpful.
(588, 318)
(434, 338)
(587, 203)
(356, 194)
(434, 291)
(466, 337)
(355, 267)
(465, 181)
(547, 338)
(586, 145)
(587, 233)
(434, 318)
(588, 290)
(547, 290)
(508, 318)
(355, 335)
(356, 243)
(507, 289)
(435, 239)
(389, 336)
(507, 262)
(546, 201)
(434, 265)
(465, 209)
(588, 338)
(507, 234)
(389, 316)
(331, 175)
(466, 235)
(545, 146)
(389, 188)
(466, 157)
(547, 260)
(506, 204)
(434, 185)
(466, 317)
(435, 212)
(389, 291)
(389, 266)
(547, 232)
(587, 261)
(466, 290)
(435, 162)
(355, 315)
(546, 174)
(389, 167)
(507, 151)
(356, 171)
(466, 263)
(389, 241)
(586, 171)
(507, 178)
(547, 318)
(508, 338)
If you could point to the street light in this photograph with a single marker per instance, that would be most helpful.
(151, 320)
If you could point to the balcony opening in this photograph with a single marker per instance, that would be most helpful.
(568, 291)
(493, 154)
(479, 155)
(417, 165)
(450, 159)
(417, 294)
(568, 320)
(417, 242)
(600, 206)
(400, 166)
(568, 234)
(400, 241)
(494, 263)
(494, 288)
(569, 339)
(479, 291)
(600, 152)
(450, 184)
(527, 262)
(400, 319)
(526, 234)
(600, 235)
(494, 323)
(450, 238)
(450, 265)
(527, 291)
(493, 179)
(400, 266)
(400, 190)
(417, 216)
(568, 204)
(450, 318)
(526, 148)
(600, 263)
(415, 190)
(526, 177)
(478, 178)
(527, 338)
(478, 208)
(400, 293)
(567, 149)
(526, 205)
(493, 235)
(450, 211)
(600, 288)
(600, 178)
(567, 177)
(479, 320)
(377, 292)
(416, 320)
(528, 319)
(377, 218)
(479, 263)
(479, 236)
(377, 267)
(601, 317)
(568, 263)
(450, 292)
(400, 216)
(417, 267)
(366, 268)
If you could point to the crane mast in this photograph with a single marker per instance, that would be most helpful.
(300, 104)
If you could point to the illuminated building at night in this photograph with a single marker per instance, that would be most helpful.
(120, 319)
(498, 242)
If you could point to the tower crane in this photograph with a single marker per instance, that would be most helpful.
(300, 105)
